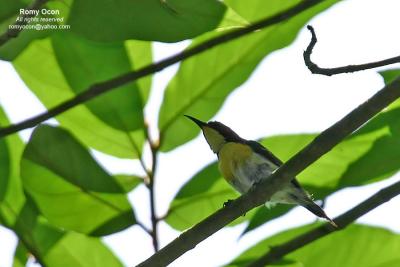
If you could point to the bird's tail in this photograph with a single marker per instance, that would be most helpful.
(318, 211)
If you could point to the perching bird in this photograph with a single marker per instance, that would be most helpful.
(243, 163)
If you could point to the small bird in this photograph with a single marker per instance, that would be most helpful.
(244, 163)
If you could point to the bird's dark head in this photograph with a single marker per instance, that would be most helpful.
(216, 133)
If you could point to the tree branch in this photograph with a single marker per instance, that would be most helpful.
(277, 252)
(13, 32)
(103, 87)
(315, 69)
(259, 194)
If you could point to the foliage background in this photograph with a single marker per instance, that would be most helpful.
(298, 102)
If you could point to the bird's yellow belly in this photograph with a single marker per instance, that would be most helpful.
(232, 156)
(241, 167)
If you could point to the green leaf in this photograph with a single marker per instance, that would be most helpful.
(78, 250)
(70, 189)
(390, 75)
(21, 255)
(203, 82)
(122, 108)
(140, 55)
(47, 82)
(128, 182)
(176, 20)
(204, 194)
(9, 8)
(254, 10)
(358, 246)
(56, 247)
(11, 195)
(4, 168)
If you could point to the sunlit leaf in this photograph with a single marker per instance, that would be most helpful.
(70, 189)
(48, 83)
(357, 245)
(11, 195)
(55, 247)
(84, 63)
(128, 182)
(203, 82)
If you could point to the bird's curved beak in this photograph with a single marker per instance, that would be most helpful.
(198, 122)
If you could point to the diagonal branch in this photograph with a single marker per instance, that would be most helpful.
(277, 252)
(264, 190)
(103, 87)
(314, 68)
(14, 29)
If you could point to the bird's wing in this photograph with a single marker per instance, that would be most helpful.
(261, 150)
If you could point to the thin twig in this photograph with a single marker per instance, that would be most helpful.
(103, 87)
(151, 186)
(261, 193)
(14, 29)
(144, 228)
(314, 68)
(277, 252)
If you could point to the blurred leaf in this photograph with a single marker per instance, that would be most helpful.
(4, 168)
(359, 245)
(203, 82)
(9, 8)
(390, 75)
(128, 182)
(204, 194)
(70, 188)
(84, 63)
(140, 55)
(56, 247)
(10, 50)
(176, 20)
(11, 195)
(9, 12)
(47, 82)
(254, 10)
(78, 250)
(21, 255)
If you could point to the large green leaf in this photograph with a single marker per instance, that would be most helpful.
(357, 245)
(70, 189)
(203, 82)
(84, 63)
(48, 83)
(158, 20)
(11, 195)
(56, 247)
